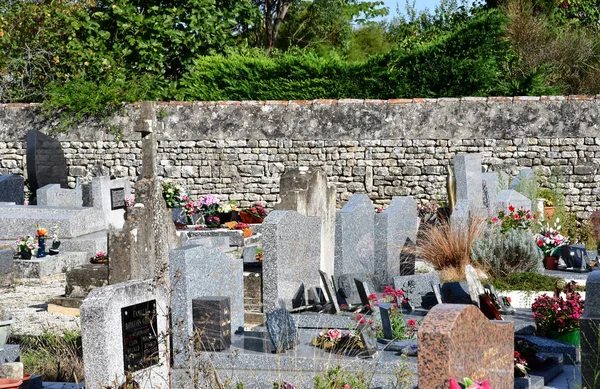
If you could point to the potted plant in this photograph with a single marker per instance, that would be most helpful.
(558, 317)
(549, 201)
(212, 221)
(549, 240)
(208, 206)
(176, 198)
(228, 211)
(255, 214)
(245, 228)
(25, 245)
(100, 257)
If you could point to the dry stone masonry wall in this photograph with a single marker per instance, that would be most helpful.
(238, 150)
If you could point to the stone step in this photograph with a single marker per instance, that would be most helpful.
(19, 220)
(26, 270)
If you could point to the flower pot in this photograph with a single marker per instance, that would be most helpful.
(551, 263)
(25, 254)
(41, 252)
(25, 379)
(210, 222)
(7, 383)
(4, 332)
(225, 217)
(549, 212)
(571, 337)
(250, 219)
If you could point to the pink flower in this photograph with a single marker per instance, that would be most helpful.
(412, 323)
(495, 219)
(334, 334)
(454, 384)
(347, 386)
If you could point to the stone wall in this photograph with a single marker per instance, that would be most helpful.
(394, 147)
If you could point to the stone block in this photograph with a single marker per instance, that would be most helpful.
(447, 337)
(103, 324)
(52, 195)
(6, 268)
(416, 286)
(82, 279)
(469, 184)
(212, 323)
(393, 227)
(306, 191)
(355, 237)
(107, 196)
(291, 257)
(197, 272)
(12, 188)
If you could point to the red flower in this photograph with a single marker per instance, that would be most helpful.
(412, 323)
(511, 208)
(454, 384)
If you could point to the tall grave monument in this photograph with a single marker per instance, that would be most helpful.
(46, 162)
(469, 187)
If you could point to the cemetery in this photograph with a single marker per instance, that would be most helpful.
(175, 287)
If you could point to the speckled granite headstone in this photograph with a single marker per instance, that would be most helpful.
(46, 162)
(416, 286)
(475, 287)
(354, 237)
(368, 339)
(282, 329)
(491, 189)
(590, 330)
(393, 227)
(347, 287)
(458, 341)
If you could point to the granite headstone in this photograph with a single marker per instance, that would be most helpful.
(46, 162)
(346, 286)
(52, 195)
(282, 329)
(212, 323)
(290, 242)
(590, 332)
(329, 291)
(447, 337)
(416, 286)
(12, 189)
(474, 285)
(491, 189)
(363, 291)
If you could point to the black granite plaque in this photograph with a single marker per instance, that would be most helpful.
(298, 299)
(386, 322)
(282, 329)
(46, 162)
(212, 323)
(117, 198)
(330, 291)
(140, 344)
(363, 291)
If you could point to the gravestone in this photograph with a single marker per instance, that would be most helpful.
(212, 323)
(368, 339)
(456, 293)
(300, 298)
(119, 328)
(363, 291)
(416, 286)
(590, 332)
(52, 195)
(386, 322)
(291, 256)
(469, 187)
(108, 196)
(522, 179)
(195, 273)
(346, 286)
(46, 162)
(447, 337)
(491, 189)
(282, 330)
(475, 286)
(437, 291)
(6, 268)
(330, 291)
(354, 237)
(12, 189)
(148, 231)
(393, 227)
(510, 197)
(306, 191)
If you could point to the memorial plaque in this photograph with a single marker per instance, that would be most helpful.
(117, 198)
(330, 291)
(282, 330)
(140, 344)
(212, 321)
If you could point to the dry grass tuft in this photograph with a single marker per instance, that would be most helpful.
(447, 246)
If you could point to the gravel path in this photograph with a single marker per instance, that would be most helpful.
(28, 305)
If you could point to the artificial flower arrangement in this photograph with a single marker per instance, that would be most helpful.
(515, 219)
(555, 315)
(400, 328)
(208, 205)
(428, 210)
(174, 195)
(245, 227)
(549, 239)
(212, 221)
(55, 241)
(129, 200)
(228, 207)
(469, 384)
(26, 244)
(520, 365)
(527, 357)
(336, 341)
(100, 257)
(41, 233)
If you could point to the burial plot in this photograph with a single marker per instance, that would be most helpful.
(395, 226)
(354, 237)
(291, 257)
(123, 329)
(457, 341)
(306, 191)
(197, 272)
(590, 332)
(46, 162)
(12, 189)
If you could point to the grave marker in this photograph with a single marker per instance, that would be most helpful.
(140, 343)
(386, 323)
(330, 291)
(346, 286)
(46, 162)
(476, 289)
(363, 291)
(282, 330)
(590, 332)
(416, 286)
(12, 189)
(457, 341)
(469, 187)
(52, 195)
(368, 339)
(212, 323)
(510, 197)
(117, 198)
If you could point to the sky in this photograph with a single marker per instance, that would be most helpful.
(419, 5)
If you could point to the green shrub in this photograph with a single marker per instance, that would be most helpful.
(534, 282)
(514, 251)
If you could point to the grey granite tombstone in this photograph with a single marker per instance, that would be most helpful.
(393, 227)
(306, 191)
(291, 256)
(12, 189)
(102, 329)
(52, 195)
(108, 196)
(197, 272)
(329, 291)
(491, 189)
(416, 286)
(282, 329)
(475, 287)
(6, 268)
(469, 184)
(522, 179)
(590, 332)
(510, 197)
(354, 237)
(346, 286)
(46, 162)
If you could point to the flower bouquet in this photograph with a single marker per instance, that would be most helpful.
(228, 211)
(174, 195)
(212, 221)
(25, 245)
(339, 342)
(100, 257)
(549, 239)
(255, 214)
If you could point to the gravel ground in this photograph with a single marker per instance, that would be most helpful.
(28, 305)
